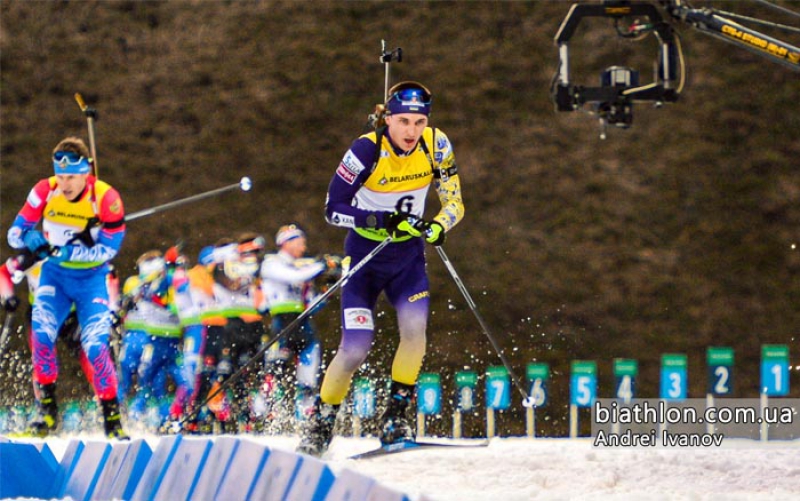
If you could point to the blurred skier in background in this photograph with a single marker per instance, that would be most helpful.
(235, 331)
(287, 283)
(153, 303)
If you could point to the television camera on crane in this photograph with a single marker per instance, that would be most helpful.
(620, 87)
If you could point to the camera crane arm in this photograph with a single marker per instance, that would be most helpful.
(570, 98)
(715, 23)
(619, 88)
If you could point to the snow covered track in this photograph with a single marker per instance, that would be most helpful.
(509, 469)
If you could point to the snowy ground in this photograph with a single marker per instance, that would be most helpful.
(521, 469)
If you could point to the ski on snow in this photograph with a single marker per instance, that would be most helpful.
(411, 446)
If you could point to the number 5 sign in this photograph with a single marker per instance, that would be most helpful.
(583, 383)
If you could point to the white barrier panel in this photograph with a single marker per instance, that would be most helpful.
(380, 492)
(183, 471)
(88, 465)
(215, 467)
(122, 471)
(276, 476)
(241, 473)
(158, 464)
(67, 465)
(312, 482)
(349, 486)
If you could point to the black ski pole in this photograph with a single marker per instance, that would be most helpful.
(293, 325)
(527, 401)
(386, 58)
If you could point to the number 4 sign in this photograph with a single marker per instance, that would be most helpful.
(625, 371)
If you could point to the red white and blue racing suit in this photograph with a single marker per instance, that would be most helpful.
(79, 280)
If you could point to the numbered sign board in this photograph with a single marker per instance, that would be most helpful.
(429, 394)
(538, 374)
(583, 383)
(775, 370)
(363, 398)
(720, 370)
(625, 371)
(674, 373)
(498, 388)
(466, 382)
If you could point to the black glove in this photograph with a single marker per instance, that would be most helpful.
(400, 224)
(434, 233)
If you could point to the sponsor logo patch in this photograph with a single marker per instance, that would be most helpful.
(343, 220)
(358, 318)
(416, 297)
(352, 163)
(345, 174)
(33, 199)
(350, 167)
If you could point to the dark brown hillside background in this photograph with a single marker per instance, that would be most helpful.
(669, 237)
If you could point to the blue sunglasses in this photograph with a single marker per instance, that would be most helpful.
(68, 158)
(412, 95)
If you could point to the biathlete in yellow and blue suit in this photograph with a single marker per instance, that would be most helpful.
(379, 190)
(74, 273)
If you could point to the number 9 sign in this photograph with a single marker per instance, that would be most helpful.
(429, 394)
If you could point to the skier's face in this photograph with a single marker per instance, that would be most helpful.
(295, 247)
(71, 185)
(405, 129)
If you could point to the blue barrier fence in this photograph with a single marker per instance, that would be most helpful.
(225, 468)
